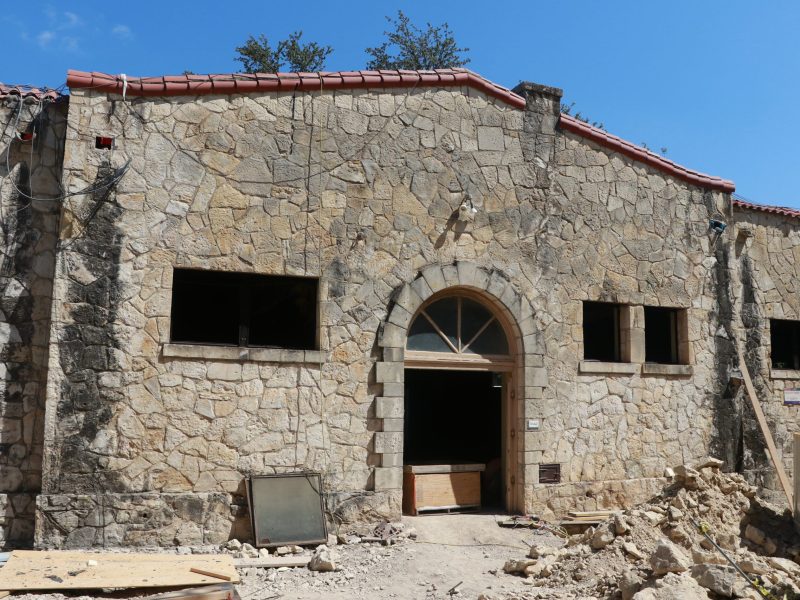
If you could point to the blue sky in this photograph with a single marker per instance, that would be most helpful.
(717, 83)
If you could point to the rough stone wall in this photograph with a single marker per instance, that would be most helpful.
(766, 250)
(613, 230)
(30, 176)
(147, 443)
(357, 188)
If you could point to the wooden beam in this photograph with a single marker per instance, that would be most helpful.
(762, 423)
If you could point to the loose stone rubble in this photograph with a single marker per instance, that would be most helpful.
(656, 552)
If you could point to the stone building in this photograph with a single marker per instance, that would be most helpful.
(211, 277)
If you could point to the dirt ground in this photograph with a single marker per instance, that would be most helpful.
(466, 548)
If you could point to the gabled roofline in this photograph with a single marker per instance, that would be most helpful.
(603, 138)
(242, 83)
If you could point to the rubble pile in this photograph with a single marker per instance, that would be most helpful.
(656, 550)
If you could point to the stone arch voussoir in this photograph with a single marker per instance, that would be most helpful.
(492, 284)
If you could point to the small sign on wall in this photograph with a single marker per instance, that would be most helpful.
(791, 397)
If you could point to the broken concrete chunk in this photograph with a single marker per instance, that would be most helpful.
(629, 584)
(621, 526)
(720, 579)
(517, 567)
(755, 535)
(632, 551)
(709, 462)
(673, 587)
(602, 537)
(322, 560)
(668, 558)
(654, 517)
(542, 551)
(233, 545)
(249, 551)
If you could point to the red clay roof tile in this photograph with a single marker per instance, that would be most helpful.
(776, 210)
(27, 91)
(238, 83)
(571, 124)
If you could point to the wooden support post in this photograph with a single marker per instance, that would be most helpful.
(796, 475)
(762, 423)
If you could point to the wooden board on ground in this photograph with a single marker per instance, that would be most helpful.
(272, 563)
(222, 591)
(59, 570)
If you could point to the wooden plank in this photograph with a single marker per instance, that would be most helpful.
(446, 490)
(58, 570)
(431, 469)
(210, 573)
(4, 593)
(272, 563)
(221, 591)
(762, 423)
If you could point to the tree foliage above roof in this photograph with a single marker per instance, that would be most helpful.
(409, 47)
(258, 56)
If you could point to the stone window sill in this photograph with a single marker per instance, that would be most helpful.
(241, 354)
(659, 369)
(785, 374)
(609, 368)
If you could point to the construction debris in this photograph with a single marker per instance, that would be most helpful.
(658, 550)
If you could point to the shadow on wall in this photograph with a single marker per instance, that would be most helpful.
(29, 170)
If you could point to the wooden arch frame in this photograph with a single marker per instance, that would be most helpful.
(442, 360)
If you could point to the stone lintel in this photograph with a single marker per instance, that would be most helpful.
(609, 368)
(242, 354)
(674, 370)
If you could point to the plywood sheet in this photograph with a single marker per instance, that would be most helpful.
(57, 570)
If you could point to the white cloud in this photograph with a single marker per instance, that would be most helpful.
(44, 38)
(123, 32)
(70, 20)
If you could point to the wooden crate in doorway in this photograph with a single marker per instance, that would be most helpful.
(441, 487)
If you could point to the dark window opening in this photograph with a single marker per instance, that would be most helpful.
(241, 309)
(550, 473)
(661, 335)
(784, 344)
(103, 143)
(601, 331)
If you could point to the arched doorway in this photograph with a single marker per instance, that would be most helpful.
(459, 412)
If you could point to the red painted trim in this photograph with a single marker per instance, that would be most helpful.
(241, 83)
(603, 138)
(775, 210)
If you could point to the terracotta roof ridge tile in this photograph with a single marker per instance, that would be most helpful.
(28, 91)
(777, 210)
(643, 155)
(234, 83)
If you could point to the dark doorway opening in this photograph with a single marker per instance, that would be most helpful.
(455, 417)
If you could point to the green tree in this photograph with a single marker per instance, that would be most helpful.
(409, 47)
(258, 56)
